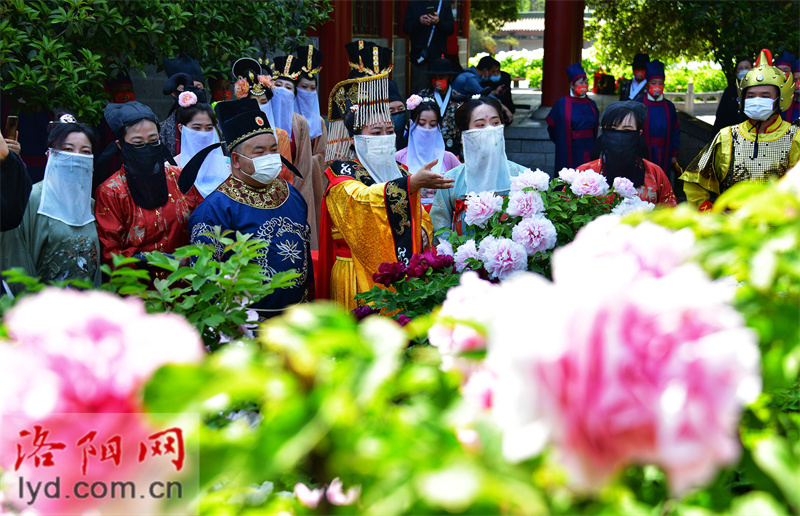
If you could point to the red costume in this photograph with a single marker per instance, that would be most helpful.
(125, 228)
(655, 189)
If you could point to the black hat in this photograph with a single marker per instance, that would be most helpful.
(640, 61)
(394, 92)
(375, 60)
(287, 67)
(129, 113)
(353, 48)
(184, 64)
(241, 120)
(441, 66)
(251, 77)
(182, 79)
(638, 108)
(310, 60)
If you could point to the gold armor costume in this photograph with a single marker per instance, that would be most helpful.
(742, 153)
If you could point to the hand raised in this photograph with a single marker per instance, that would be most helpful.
(426, 178)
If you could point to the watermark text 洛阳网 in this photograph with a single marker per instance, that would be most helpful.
(29, 492)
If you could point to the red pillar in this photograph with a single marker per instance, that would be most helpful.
(332, 37)
(562, 46)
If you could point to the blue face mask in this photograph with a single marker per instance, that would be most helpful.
(495, 78)
(741, 74)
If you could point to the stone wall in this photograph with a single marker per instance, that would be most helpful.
(529, 145)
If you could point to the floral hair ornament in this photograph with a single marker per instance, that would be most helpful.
(413, 101)
(186, 99)
(67, 118)
(476, 96)
(241, 88)
(354, 108)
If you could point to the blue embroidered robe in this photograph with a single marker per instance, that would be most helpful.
(276, 214)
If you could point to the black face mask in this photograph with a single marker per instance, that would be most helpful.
(144, 169)
(620, 154)
(399, 122)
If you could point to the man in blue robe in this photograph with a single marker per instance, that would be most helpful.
(572, 123)
(254, 200)
(662, 129)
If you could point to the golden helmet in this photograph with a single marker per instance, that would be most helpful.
(763, 73)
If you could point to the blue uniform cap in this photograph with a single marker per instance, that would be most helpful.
(655, 69)
(575, 72)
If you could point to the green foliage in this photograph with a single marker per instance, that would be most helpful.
(758, 245)
(705, 79)
(338, 399)
(412, 297)
(672, 29)
(491, 15)
(58, 53)
(214, 296)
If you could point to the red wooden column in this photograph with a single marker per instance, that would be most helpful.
(332, 37)
(562, 46)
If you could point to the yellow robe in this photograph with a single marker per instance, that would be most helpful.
(727, 159)
(360, 222)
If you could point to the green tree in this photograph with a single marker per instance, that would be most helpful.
(673, 29)
(57, 53)
(490, 15)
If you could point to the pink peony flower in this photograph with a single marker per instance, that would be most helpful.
(444, 248)
(466, 302)
(481, 207)
(502, 257)
(655, 367)
(525, 203)
(419, 264)
(624, 187)
(266, 80)
(632, 205)
(568, 175)
(605, 244)
(390, 272)
(187, 98)
(536, 234)
(362, 311)
(530, 179)
(337, 496)
(241, 89)
(589, 182)
(308, 497)
(83, 371)
(479, 389)
(465, 251)
(442, 262)
(413, 101)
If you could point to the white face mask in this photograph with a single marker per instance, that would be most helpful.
(376, 153)
(741, 74)
(485, 160)
(67, 188)
(759, 108)
(267, 167)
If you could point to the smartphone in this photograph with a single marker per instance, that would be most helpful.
(430, 10)
(11, 127)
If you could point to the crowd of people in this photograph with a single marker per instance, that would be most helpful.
(374, 184)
